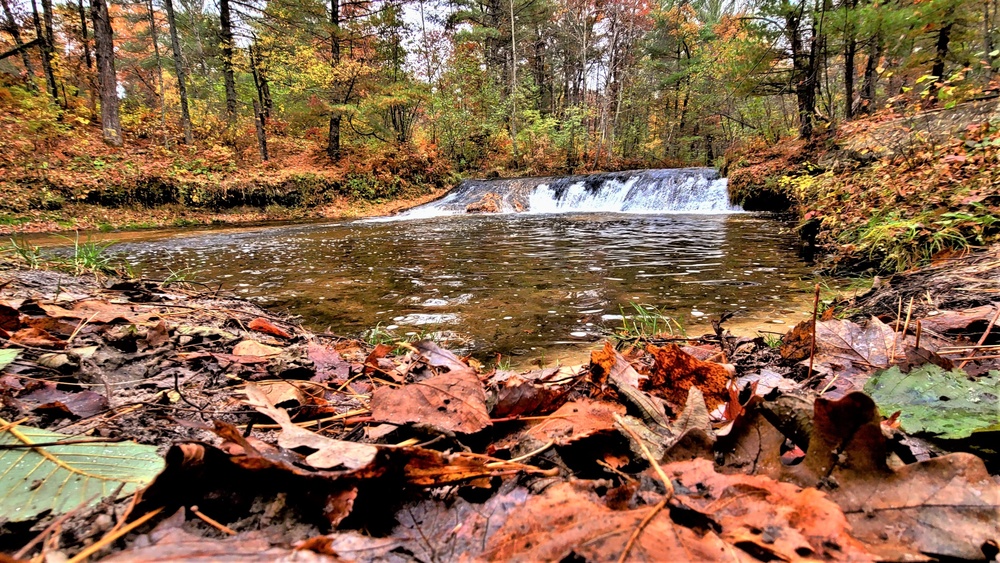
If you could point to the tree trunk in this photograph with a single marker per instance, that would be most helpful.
(175, 46)
(333, 137)
(50, 78)
(83, 34)
(940, 52)
(104, 50)
(226, 39)
(10, 24)
(850, 50)
(159, 70)
(258, 119)
(260, 82)
(866, 101)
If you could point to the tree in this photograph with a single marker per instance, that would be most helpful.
(11, 27)
(104, 49)
(179, 71)
(226, 41)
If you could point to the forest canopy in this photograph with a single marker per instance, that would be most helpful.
(489, 85)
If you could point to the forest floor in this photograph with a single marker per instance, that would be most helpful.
(888, 192)
(143, 421)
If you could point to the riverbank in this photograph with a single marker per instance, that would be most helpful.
(260, 437)
(887, 193)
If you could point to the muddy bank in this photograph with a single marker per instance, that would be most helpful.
(263, 440)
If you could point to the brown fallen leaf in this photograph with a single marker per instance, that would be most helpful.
(451, 402)
(97, 311)
(769, 519)
(176, 544)
(328, 363)
(254, 348)
(674, 372)
(576, 420)
(960, 321)
(568, 523)
(260, 324)
(54, 402)
(947, 506)
(9, 317)
(329, 453)
(607, 364)
(520, 395)
(37, 338)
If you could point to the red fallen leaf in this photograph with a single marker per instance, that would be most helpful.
(261, 324)
(955, 158)
(37, 338)
(371, 362)
(674, 372)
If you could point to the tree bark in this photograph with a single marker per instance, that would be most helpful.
(50, 78)
(83, 34)
(333, 136)
(940, 52)
(260, 82)
(258, 118)
(159, 70)
(104, 50)
(175, 46)
(10, 24)
(226, 39)
(866, 99)
(850, 50)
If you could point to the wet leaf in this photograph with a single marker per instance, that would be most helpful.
(451, 402)
(52, 401)
(260, 324)
(63, 477)
(329, 453)
(945, 506)
(568, 523)
(37, 338)
(576, 420)
(948, 404)
(674, 372)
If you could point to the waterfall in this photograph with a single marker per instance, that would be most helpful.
(679, 190)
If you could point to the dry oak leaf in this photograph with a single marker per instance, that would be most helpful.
(674, 372)
(607, 364)
(329, 453)
(97, 311)
(947, 506)
(450, 402)
(567, 523)
(766, 518)
(37, 338)
(576, 420)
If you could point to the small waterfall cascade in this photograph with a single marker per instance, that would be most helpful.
(674, 190)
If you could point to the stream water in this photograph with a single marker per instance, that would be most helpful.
(535, 285)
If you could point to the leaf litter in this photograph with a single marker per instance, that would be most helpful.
(269, 442)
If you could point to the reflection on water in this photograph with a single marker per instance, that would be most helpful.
(525, 285)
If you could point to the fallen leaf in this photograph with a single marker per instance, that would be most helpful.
(52, 401)
(766, 518)
(329, 453)
(674, 372)
(960, 321)
(328, 363)
(7, 357)
(37, 338)
(947, 404)
(176, 544)
(567, 523)
(59, 478)
(946, 506)
(451, 402)
(280, 392)
(254, 348)
(576, 420)
(260, 324)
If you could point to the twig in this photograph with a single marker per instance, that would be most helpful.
(919, 329)
(649, 457)
(812, 347)
(983, 338)
(49, 529)
(213, 522)
(638, 529)
(79, 327)
(895, 335)
(521, 458)
(60, 443)
(110, 538)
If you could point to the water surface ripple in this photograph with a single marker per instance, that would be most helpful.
(526, 285)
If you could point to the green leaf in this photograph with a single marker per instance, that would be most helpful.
(7, 356)
(62, 477)
(949, 404)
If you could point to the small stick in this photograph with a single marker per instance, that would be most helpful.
(642, 525)
(812, 347)
(213, 522)
(983, 339)
(521, 458)
(110, 538)
(917, 343)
